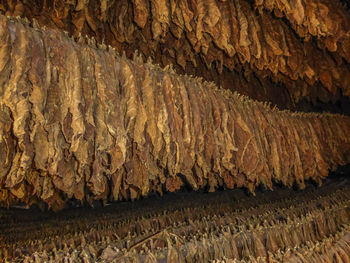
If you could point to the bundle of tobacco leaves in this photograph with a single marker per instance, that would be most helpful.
(303, 45)
(282, 226)
(79, 121)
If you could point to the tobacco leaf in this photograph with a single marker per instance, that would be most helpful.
(140, 12)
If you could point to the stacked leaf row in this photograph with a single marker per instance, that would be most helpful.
(299, 44)
(282, 226)
(79, 121)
